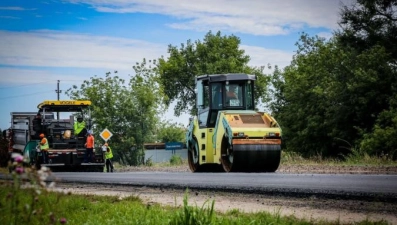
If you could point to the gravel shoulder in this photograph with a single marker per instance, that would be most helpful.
(311, 208)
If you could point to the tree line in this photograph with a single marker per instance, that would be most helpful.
(336, 95)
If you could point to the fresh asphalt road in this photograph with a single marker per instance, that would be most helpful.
(336, 185)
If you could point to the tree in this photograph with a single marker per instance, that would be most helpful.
(306, 97)
(370, 26)
(128, 110)
(369, 23)
(216, 54)
(171, 132)
(344, 88)
(145, 101)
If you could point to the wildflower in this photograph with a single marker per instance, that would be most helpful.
(18, 158)
(62, 220)
(19, 169)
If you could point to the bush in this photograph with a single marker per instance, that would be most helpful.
(149, 162)
(176, 160)
(25, 200)
(4, 155)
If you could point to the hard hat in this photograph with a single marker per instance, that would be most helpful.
(90, 132)
(41, 135)
(106, 144)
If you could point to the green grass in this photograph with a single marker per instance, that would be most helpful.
(25, 206)
(26, 200)
(355, 158)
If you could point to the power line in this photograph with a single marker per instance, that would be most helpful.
(18, 96)
(24, 85)
(32, 84)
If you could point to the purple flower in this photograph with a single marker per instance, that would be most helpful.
(17, 157)
(19, 169)
(62, 220)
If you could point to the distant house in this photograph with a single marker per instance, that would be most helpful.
(161, 152)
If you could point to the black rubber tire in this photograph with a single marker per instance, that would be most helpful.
(193, 157)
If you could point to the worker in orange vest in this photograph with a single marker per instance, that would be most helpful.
(89, 146)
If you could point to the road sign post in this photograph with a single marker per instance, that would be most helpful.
(173, 146)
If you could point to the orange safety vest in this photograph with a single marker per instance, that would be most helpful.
(90, 141)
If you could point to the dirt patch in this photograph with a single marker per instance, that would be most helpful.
(338, 169)
(311, 208)
(312, 169)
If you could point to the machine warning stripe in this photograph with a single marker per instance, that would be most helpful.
(55, 164)
(256, 141)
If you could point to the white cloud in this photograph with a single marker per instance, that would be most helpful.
(15, 8)
(264, 17)
(10, 17)
(263, 56)
(18, 76)
(58, 49)
(326, 35)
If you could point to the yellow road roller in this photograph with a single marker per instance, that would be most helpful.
(228, 134)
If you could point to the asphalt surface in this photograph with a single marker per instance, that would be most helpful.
(346, 186)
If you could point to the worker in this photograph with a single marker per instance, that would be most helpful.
(44, 146)
(231, 94)
(108, 157)
(79, 127)
(89, 146)
(37, 127)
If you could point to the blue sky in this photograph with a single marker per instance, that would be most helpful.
(72, 40)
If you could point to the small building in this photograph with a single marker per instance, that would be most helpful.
(162, 152)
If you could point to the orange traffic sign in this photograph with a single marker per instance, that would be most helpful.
(106, 134)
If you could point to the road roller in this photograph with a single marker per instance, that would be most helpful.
(227, 133)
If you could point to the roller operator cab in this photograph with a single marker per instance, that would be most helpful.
(227, 132)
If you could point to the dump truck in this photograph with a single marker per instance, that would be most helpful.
(227, 133)
(55, 119)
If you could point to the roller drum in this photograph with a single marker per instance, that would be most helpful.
(254, 158)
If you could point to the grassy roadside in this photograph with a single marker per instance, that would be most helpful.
(356, 158)
(36, 205)
(28, 201)
(291, 162)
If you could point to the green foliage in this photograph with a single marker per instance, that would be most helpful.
(369, 23)
(25, 200)
(342, 88)
(176, 160)
(128, 109)
(149, 162)
(216, 54)
(330, 92)
(4, 155)
(194, 215)
(36, 206)
(170, 132)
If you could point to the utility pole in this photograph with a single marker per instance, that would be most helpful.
(58, 91)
